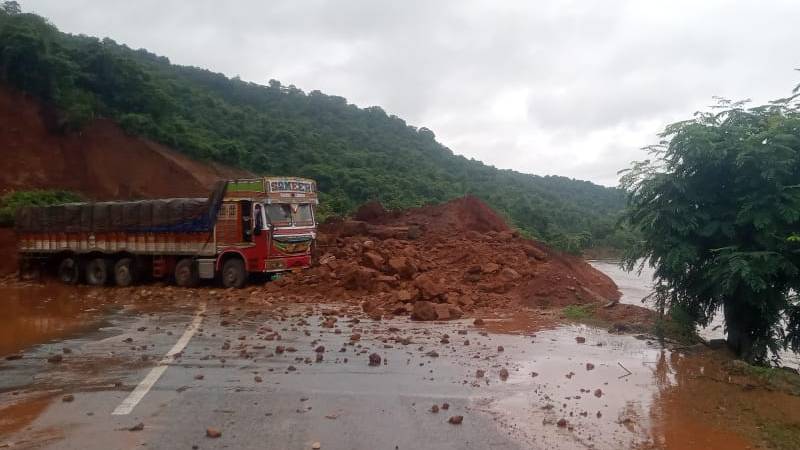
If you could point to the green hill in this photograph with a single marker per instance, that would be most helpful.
(355, 154)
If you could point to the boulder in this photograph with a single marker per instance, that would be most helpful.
(389, 280)
(405, 295)
(505, 235)
(369, 306)
(355, 277)
(423, 311)
(372, 260)
(508, 274)
(472, 277)
(534, 252)
(402, 266)
(474, 269)
(429, 287)
(442, 311)
(453, 312)
(490, 268)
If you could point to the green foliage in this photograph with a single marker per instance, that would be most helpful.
(355, 154)
(717, 210)
(678, 325)
(781, 436)
(578, 312)
(9, 203)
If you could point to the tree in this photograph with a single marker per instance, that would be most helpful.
(11, 7)
(718, 209)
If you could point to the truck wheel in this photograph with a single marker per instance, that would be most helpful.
(233, 273)
(97, 272)
(186, 273)
(124, 272)
(69, 271)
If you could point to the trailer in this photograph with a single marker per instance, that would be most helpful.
(245, 226)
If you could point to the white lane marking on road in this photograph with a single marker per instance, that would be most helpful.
(152, 377)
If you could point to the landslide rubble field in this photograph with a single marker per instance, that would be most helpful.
(458, 259)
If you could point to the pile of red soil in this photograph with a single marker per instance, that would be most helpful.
(441, 262)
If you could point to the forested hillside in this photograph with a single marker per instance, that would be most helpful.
(355, 154)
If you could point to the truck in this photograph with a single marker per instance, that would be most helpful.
(245, 226)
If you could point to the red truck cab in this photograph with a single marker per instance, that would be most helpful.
(269, 222)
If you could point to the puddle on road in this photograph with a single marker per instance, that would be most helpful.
(40, 313)
(22, 411)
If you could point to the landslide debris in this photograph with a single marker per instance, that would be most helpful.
(441, 262)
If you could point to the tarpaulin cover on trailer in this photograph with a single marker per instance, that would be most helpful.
(167, 215)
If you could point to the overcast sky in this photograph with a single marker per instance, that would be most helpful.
(571, 88)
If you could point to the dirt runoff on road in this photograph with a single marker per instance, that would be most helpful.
(442, 262)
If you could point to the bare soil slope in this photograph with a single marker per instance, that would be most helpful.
(100, 162)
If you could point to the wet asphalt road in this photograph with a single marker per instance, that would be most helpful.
(229, 377)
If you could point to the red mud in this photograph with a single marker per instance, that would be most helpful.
(447, 261)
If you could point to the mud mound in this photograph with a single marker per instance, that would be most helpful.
(100, 161)
(467, 213)
(442, 262)
(371, 212)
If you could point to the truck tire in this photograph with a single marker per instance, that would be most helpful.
(186, 273)
(97, 272)
(69, 271)
(233, 273)
(124, 272)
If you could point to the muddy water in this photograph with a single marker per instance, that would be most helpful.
(40, 313)
(636, 286)
(693, 403)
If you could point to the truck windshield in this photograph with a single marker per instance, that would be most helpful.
(282, 215)
(302, 216)
(279, 215)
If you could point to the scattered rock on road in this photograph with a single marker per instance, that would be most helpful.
(456, 420)
(374, 359)
(213, 432)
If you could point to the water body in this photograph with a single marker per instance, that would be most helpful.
(636, 286)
